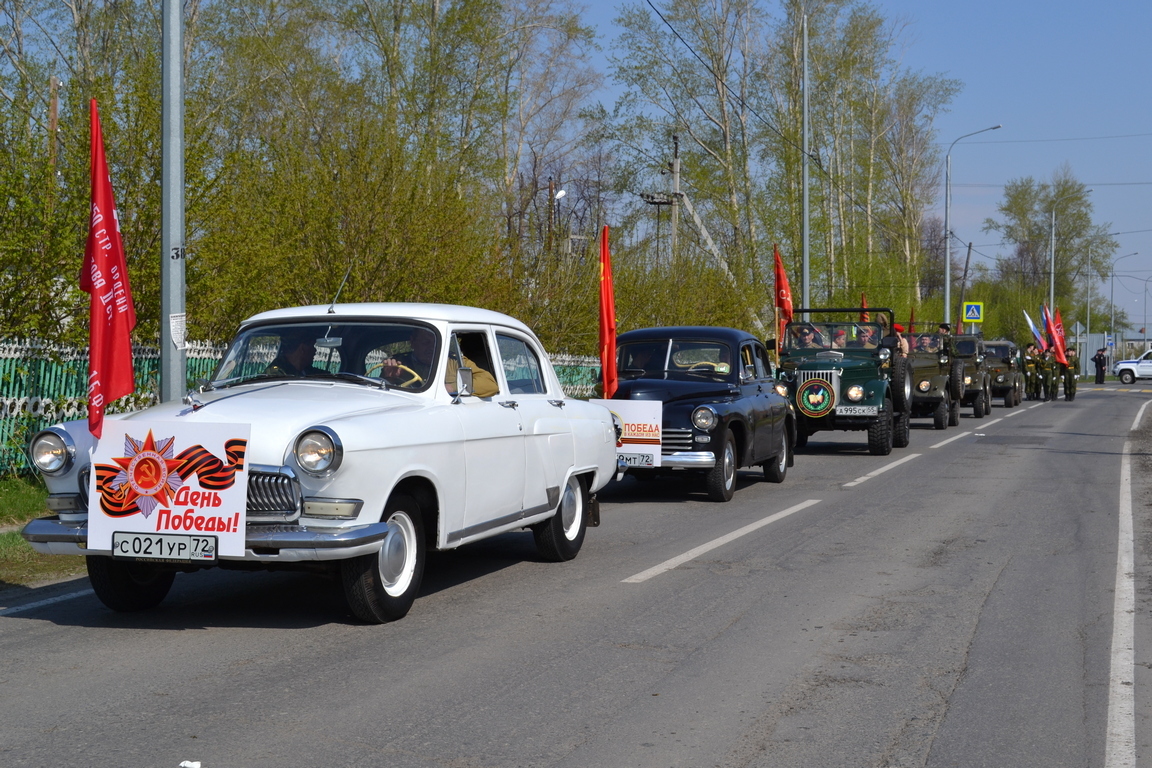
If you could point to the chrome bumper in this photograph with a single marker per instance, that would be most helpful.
(689, 460)
(51, 536)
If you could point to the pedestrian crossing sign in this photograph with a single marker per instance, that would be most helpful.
(973, 311)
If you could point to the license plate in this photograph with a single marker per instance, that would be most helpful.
(856, 410)
(639, 459)
(163, 546)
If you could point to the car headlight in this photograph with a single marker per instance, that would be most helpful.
(855, 393)
(1000, 378)
(318, 451)
(781, 390)
(884, 353)
(704, 418)
(52, 451)
(967, 380)
(924, 386)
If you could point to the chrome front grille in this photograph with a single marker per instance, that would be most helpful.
(832, 377)
(273, 495)
(675, 441)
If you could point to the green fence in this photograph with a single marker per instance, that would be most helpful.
(42, 385)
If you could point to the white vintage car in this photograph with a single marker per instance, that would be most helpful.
(377, 431)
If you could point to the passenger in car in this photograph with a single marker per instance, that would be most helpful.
(422, 358)
(297, 351)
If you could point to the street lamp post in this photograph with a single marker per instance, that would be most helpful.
(1052, 251)
(1112, 300)
(948, 223)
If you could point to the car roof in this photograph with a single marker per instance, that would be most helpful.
(380, 310)
(710, 332)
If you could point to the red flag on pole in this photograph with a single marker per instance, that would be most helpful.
(783, 295)
(912, 320)
(1050, 329)
(864, 316)
(607, 318)
(1061, 342)
(105, 276)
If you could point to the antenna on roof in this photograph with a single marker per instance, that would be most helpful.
(331, 307)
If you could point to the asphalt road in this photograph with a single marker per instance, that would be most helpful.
(952, 604)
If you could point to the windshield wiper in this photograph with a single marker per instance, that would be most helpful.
(349, 376)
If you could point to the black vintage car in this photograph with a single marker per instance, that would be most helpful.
(723, 408)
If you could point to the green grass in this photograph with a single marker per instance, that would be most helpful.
(20, 564)
(21, 499)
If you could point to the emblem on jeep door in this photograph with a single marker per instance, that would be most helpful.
(815, 398)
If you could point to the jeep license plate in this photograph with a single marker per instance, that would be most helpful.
(638, 459)
(855, 410)
(163, 546)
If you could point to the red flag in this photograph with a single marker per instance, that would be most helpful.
(607, 319)
(1050, 329)
(1061, 342)
(105, 276)
(864, 316)
(783, 295)
(912, 320)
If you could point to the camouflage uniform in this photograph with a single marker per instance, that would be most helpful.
(1048, 376)
(1031, 373)
(1071, 372)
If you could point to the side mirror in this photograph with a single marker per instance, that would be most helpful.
(463, 384)
(890, 342)
(770, 345)
(943, 359)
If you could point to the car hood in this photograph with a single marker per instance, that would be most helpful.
(278, 412)
(824, 364)
(671, 390)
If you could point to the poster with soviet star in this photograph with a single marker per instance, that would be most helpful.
(173, 480)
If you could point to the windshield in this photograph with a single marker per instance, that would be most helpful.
(927, 342)
(682, 359)
(404, 352)
(966, 346)
(817, 336)
(998, 350)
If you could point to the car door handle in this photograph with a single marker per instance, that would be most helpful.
(557, 403)
(509, 403)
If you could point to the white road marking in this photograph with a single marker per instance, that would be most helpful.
(945, 442)
(993, 422)
(42, 603)
(1120, 743)
(691, 554)
(881, 471)
(1014, 413)
(1035, 406)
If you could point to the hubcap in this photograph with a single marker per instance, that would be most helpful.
(729, 465)
(783, 451)
(397, 554)
(571, 509)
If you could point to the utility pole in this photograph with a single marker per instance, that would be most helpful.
(964, 284)
(675, 191)
(173, 358)
(804, 273)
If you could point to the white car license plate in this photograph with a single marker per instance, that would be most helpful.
(855, 410)
(638, 459)
(163, 546)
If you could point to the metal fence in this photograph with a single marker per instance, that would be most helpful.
(43, 384)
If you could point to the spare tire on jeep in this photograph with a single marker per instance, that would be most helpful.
(956, 379)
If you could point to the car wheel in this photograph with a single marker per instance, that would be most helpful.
(954, 414)
(880, 432)
(382, 586)
(721, 478)
(127, 586)
(560, 537)
(901, 383)
(978, 406)
(776, 468)
(1010, 399)
(801, 437)
(1127, 377)
(901, 429)
(940, 414)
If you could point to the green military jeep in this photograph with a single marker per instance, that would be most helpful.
(977, 381)
(1006, 370)
(937, 379)
(844, 374)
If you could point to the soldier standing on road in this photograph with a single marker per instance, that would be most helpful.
(1048, 375)
(1031, 372)
(1071, 374)
(1100, 360)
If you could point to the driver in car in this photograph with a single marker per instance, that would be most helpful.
(421, 359)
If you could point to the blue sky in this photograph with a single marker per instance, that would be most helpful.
(1071, 83)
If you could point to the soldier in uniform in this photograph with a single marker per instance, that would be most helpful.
(1071, 374)
(1048, 375)
(1031, 373)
